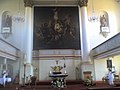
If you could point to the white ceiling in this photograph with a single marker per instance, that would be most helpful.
(55, 2)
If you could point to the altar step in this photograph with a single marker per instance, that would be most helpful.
(68, 82)
(72, 82)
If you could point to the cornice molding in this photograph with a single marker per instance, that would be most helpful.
(28, 3)
(83, 3)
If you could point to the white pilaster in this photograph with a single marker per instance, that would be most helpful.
(85, 44)
(28, 68)
(29, 34)
(85, 50)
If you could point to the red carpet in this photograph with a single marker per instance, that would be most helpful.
(71, 85)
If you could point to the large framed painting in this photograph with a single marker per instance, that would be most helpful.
(56, 28)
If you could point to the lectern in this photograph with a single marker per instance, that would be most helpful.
(87, 74)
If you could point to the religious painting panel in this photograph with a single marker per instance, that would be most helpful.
(56, 28)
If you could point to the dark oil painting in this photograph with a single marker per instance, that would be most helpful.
(56, 28)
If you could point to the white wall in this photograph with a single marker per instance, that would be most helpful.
(45, 68)
(116, 63)
(44, 59)
(16, 37)
(112, 8)
(101, 67)
(94, 36)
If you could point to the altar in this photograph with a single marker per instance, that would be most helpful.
(58, 80)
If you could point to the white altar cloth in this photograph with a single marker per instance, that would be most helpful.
(6, 80)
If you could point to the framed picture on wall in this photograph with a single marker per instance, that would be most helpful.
(56, 28)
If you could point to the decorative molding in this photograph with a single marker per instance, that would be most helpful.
(87, 63)
(10, 54)
(107, 48)
(56, 54)
(8, 50)
(83, 3)
(53, 57)
(9, 44)
(55, 2)
(28, 3)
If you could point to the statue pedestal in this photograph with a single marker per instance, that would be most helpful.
(87, 74)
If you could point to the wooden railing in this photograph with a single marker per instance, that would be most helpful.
(8, 50)
(108, 48)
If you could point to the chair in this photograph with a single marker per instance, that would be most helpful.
(33, 81)
(116, 77)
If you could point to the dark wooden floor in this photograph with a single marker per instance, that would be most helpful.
(70, 86)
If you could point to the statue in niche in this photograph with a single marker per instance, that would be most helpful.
(6, 24)
(104, 24)
(6, 20)
(103, 21)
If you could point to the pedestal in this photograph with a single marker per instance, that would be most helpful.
(58, 80)
(87, 74)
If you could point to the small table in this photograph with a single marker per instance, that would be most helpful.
(58, 80)
(4, 80)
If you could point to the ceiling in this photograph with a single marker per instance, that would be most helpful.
(55, 2)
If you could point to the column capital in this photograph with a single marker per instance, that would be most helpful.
(83, 3)
(28, 3)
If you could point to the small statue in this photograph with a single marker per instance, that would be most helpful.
(57, 68)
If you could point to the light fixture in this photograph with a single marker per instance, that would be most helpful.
(94, 17)
(18, 18)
